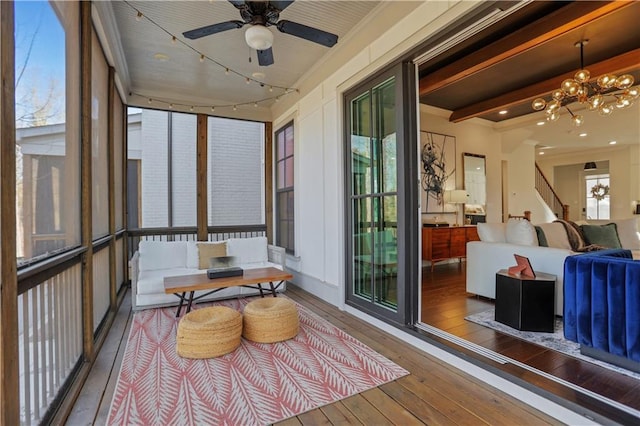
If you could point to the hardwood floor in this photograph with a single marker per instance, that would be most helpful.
(445, 303)
(434, 392)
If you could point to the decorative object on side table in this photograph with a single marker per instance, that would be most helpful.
(223, 266)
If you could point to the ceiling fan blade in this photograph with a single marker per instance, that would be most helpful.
(308, 33)
(265, 57)
(281, 5)
(212, 29)
(240, 4)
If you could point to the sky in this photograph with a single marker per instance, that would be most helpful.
(37, 21)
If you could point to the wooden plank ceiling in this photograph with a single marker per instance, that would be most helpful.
(529, 54)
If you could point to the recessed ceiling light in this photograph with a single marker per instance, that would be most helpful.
(540, 123)
(541, 153)
(161, 57)
(582, 135)
(613, 142)
(503, 112)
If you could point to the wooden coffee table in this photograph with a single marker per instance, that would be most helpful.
(251, 278)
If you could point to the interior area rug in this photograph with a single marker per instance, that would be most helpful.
(555, 340)
(257, 384)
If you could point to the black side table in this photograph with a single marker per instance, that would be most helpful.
(524, 303)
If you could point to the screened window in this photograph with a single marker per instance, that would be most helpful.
(161, 168)
(47, 129)
(597, 190)
(284, 188)
(235, 172)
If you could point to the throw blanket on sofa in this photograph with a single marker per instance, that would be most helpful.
(576, 239)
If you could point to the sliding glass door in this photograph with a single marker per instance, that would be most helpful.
(376, 150)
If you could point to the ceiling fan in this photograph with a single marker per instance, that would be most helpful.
(260, 15)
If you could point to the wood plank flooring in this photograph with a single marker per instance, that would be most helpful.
(445, 303)
(434, 392)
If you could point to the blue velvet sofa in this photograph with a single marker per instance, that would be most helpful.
(602, 305)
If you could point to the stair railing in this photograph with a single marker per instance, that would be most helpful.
(550, 196)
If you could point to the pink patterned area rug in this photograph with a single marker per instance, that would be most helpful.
(257, 384)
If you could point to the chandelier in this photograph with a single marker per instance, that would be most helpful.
(607, 93)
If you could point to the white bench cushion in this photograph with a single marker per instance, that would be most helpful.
(162, 255)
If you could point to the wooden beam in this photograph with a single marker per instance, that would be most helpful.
(268, 180)
(9, 367)
(623, 63)
(201, 178)
(568, 18)
(86, 181)
(111, 146)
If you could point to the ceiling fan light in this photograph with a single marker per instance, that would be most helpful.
(258, 37)
(582, 76)
(570, 87)
(624, 81)
(538, 104)
(606, 81)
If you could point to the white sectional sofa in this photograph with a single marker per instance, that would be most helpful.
(500, 241)
(156, 260)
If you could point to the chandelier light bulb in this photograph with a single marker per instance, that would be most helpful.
(594, 102)
(633, 92)
(623, 102)
(577, 120)
(582, 76)
(624, 81)
(605, 109)
(557, 94)
(570, 87)
(538, 104)
(553, 105)
(554, 116)
(606, 81)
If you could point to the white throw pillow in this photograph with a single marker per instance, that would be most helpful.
(556, 235)
(162, 255)
(521, 232)
(492, 232)
(628, 233)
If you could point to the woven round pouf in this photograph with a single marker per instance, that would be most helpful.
(270, 320)
(209, 332)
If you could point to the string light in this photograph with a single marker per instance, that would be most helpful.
(174, 40)
(139, 16)
(193, 107)
(201, 58)
(247, 80)
(226, 71)
(271, 88)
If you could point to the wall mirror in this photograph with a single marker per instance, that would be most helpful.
(475, 183)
